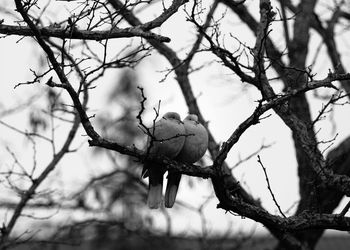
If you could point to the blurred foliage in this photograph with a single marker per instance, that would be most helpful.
(119, 194)
(119, 122)
(37, 121)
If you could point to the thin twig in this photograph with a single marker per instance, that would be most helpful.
(269, 188)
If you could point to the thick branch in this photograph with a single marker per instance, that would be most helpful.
(188, 169)
(74, 33)
(302, 221)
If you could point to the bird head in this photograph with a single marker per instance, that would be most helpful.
(172, 116)
(192, 118)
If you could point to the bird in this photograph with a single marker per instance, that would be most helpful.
(167, 140)
(195, 146)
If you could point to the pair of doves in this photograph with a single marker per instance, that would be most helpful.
(185, 141)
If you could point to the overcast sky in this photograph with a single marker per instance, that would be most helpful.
(222, 103)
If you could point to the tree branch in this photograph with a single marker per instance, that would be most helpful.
(74, 33)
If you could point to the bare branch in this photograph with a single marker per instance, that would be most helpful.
(81, 34)
(269, 187)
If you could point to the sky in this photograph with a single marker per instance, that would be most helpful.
(220, 98)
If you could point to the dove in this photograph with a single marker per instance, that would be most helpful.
(195, 146)
(168, 140)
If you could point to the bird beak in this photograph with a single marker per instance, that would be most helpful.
(181, 122)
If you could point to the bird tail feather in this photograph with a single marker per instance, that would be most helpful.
(171, 189)
(154, 199)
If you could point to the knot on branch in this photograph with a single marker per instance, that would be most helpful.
(265, 6)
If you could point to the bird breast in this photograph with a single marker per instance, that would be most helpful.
(169, 138)
(196, 143)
